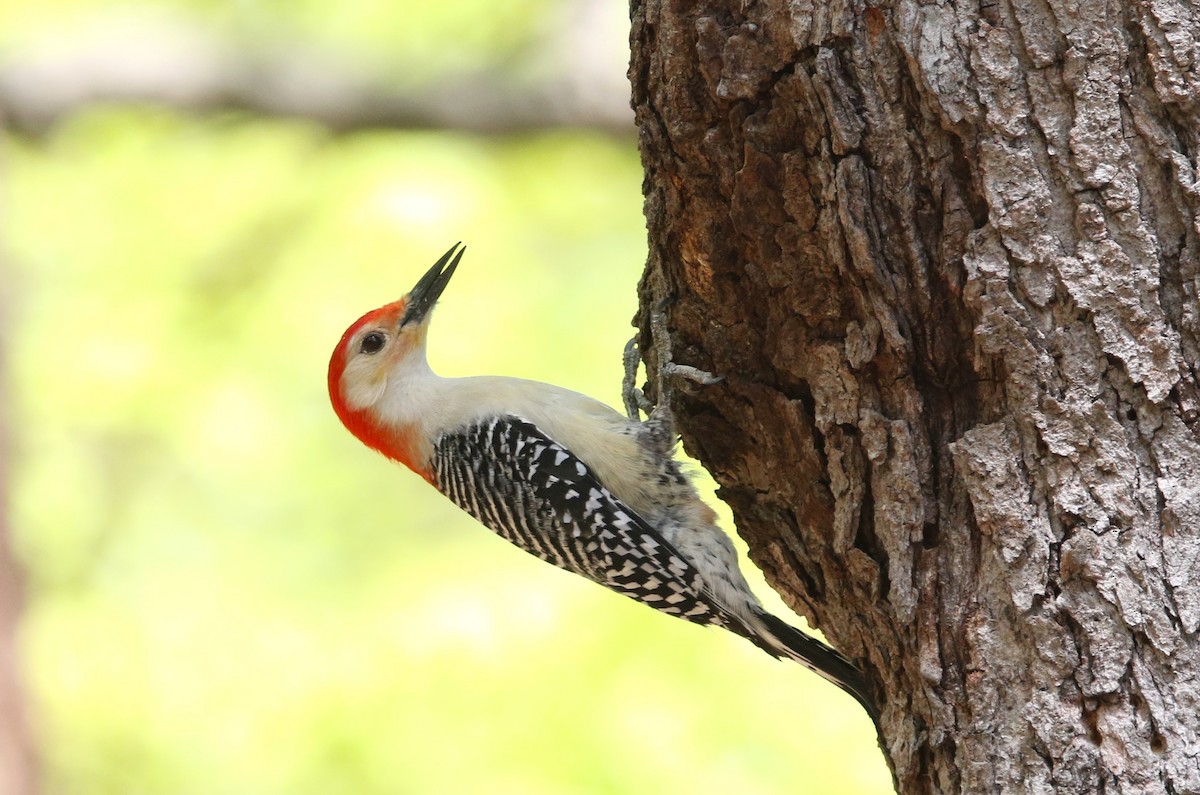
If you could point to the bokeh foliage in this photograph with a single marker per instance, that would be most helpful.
(228, 593)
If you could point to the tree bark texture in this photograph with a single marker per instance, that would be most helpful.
(946, 258)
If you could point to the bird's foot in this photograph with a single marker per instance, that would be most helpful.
(635, 399)
(694, 374)
(668, 369)
(636, 402)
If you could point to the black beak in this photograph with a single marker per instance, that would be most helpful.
(422, 297)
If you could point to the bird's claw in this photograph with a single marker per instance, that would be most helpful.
(634, 398)
(694, 374)
(667, 368)
(636, 402)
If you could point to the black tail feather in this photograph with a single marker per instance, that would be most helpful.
(822, 659)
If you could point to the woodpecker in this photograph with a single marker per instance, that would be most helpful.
(559, 474)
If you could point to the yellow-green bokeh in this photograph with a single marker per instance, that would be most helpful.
(229, 595)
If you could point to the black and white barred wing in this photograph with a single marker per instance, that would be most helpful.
(535, 493)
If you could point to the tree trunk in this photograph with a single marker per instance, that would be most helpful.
(946, 258)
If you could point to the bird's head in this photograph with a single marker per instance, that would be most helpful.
(378, 348)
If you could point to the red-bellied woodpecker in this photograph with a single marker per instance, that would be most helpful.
(558, 474)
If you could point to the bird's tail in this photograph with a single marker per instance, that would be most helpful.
(780, 639)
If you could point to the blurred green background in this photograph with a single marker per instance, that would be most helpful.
(230, 595)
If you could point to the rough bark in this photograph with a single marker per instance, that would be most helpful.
(946, 258)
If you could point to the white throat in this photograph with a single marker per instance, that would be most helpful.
(411, 393)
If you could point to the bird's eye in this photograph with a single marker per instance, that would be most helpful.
(373, 342)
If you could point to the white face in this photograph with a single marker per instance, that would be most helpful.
(378, 355)
(366, 375)
(390, 345)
